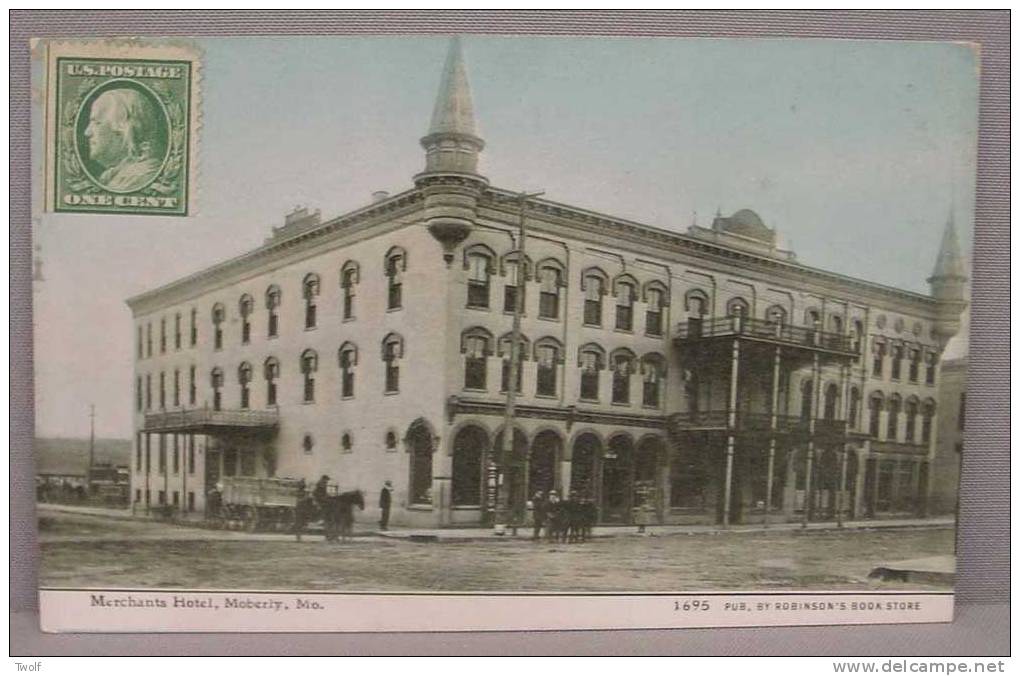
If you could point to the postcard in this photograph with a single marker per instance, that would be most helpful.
(418, 333)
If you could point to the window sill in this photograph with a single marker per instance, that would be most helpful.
(510, 313)
(549, 319)
(395, 309)
(617, 329)
(545, 396)
(273, 336)
(466, 508)
(480, 308)
(477, 390)
(307, 402)
(657, 336)
(346, 397)
(649, 407)
(419, 508)
(584, 400)
(591, 326)
(622, 404)
(389, 393)
(311, 328)
(347, 319)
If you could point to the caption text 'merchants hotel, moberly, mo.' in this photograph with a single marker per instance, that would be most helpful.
(184, 602)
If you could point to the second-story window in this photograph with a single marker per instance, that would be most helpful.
(309, 365)
(547, 358)
(162, 335)
(392, 353)
(148, 339)
(177, 387)
(162, 389)
(893, 419)
(273, 298)
(193, 333)
(875, 413)
(897, 362)
(395, 266)
(914, 368)
(591, 360)
(138, 393)
(878, 359)
(594, 289)
(623, 366)
(856, 338)
(653, 311)
(625, 294)
(246, 306)
(505, 355)
(930, 363)
(148, 391)
(244, 381)
(653, 369)
(476, 345)
(511, 288)
(926, 421)
(349, 274)
(271, 371)
(310, 291)
(549, 294)
(219, 315)
(348, 356)
(807, 397)
(479, 269)
(192, 386)
(216, 379)
(911, 423)
(177, 331)
(855, 406)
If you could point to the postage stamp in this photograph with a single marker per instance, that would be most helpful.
(121, 127)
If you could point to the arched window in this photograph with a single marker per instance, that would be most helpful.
(591, 359)
(310, 290)
(469, 447)
(930, 364)
(346, 442)
(878, 358)
(893, 426)
(737, 308)
(655, 300)
(831, 401)
(813, 318)
(625, 290)
(551, 274)
(856, 337)
(246, 306)
(391, 440)
(509, 266)
(653, 369)
(216, 378)
(777, 315)
(420, 444)
(309, 365)
(836, 324)
(807, 395)
(548, 356)
(912, 408)
(855, 406)
(219, 315)
(914, 369)
(395, 264)
(504, 353)
(273, 297)
(928, 415)
(897, 362)
(696, 307)
(244, 380)
(348, 359)
(271, 371)
(479, 263)
(307, 443)
(622, 363)
(350, 275)
(593, 284)
(392, 353)
(476, 346)
(875, 403)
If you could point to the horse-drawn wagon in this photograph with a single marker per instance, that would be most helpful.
(260, 503)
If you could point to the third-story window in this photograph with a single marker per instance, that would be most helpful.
(177, 387)
(594, 289)
(504, 353)
(141, 348)
(309, 365)
(348, 283)
(192, 386)
(310, 291)
(930, 362)
(476, 347)
(271, 371)
(510, 289)
(162, 389)
(193, 329)
(897, 362)
(162, 335)
(653, 312)
(148, 391)
(654, 368)
(549, 294)
(625, 306)
(893, 419)
(592, 360)
(216, 378)
(479, 267)
(911, 426)
(138, 393)
(547, 359)
(219, 314)
(877, 359)
(855, 405)
(914, 368)
(926, 421)
(273, 298)
(875, 412)
(348, 356)
(396, 266)
(244, 381)
(623, 366)
(177, 331)
(148, 339)
(392, 352)
(246, 306)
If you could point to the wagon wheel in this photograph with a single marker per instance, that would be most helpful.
(251, 519)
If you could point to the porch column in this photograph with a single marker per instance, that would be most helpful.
(731, 437)
(773, 426)
(844, 388)
(564, 485)
(809, 460)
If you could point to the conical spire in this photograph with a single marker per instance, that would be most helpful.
(454, 112)
(949, 262)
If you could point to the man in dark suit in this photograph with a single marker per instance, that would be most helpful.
(385, 499)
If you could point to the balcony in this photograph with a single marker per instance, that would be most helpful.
(210, 421)
(767, 332)
(752, 422)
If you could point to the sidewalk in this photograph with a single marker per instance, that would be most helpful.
(524, 532)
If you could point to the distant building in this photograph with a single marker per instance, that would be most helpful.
(705, 377)
(62, 469)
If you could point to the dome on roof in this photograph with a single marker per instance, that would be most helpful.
(746, 223)
(748, 218)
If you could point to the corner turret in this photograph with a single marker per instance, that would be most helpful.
(948, 284)
(451, 183)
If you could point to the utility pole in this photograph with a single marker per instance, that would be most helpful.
(92, 447)
(503, 497)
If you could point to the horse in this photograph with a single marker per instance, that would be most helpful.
(338, 514)
(305, 511)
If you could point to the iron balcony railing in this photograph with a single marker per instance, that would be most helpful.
(762, 329)
(753, 422)
(208, 418)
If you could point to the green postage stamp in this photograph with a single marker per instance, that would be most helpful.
(120, 126)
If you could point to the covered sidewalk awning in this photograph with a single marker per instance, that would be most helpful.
(210, 421)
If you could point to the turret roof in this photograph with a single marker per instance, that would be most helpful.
(949, 262)
(454, 112)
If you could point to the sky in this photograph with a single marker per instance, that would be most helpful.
(855, 151)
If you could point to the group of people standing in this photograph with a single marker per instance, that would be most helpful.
(564, 520)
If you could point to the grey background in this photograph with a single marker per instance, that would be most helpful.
(982, 624)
